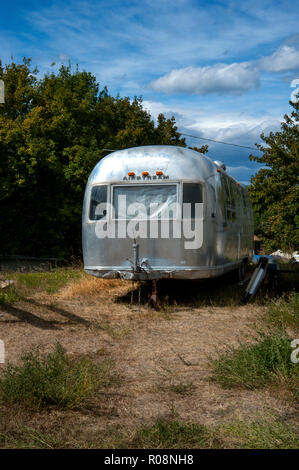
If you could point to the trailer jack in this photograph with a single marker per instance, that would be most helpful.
(267, 267)
(153, 297)
(132, 293)
(256, 280)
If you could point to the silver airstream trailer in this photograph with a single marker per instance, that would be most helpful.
(157, 212)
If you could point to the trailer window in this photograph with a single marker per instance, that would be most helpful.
(98, 196)
(233, 193)
(225, 184)
(192, 193)
(145, 202)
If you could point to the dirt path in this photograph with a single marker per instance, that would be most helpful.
(163, 358)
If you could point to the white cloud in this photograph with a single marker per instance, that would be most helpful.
(233, 79)
(136, 38)
(63, 58)
(284, 59)
(234, 169)
(216, 124)
(232, 127)
(242, 172)
(227, 79)
(236, 128)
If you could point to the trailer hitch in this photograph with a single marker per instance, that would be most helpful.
(138, 267)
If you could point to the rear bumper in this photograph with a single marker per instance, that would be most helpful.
(175, 272)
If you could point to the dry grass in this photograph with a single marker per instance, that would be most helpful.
(89, 286)
(163, 356)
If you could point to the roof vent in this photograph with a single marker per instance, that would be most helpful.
(220, 164)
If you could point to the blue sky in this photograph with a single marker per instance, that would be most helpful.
(224, 69)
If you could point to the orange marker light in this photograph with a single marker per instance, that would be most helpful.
(145, 173)
(159, 173)
(131, 173)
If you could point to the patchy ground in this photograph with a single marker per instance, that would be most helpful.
(163, 357)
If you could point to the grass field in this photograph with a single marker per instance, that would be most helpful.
(84, 368)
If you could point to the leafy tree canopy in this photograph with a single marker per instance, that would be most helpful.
(274, 190)
(52, 133)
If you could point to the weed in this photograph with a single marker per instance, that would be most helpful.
(9, 295)
(53, 379)
(114, 332)
(168, 434)
(49, 282)
(256, 365)
(284, 311)
(263, 433)
(182, 388)
(25, 437)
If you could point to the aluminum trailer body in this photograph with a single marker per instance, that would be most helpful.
(164, 175)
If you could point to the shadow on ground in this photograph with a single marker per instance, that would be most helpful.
(68, 315)
(224, 291)
(22, 315)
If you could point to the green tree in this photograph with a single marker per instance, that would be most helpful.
(202, 149)
(167, 132)
(274, 190)
(52, 132)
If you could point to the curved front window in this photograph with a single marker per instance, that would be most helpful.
(157, 201)
(97, 198)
